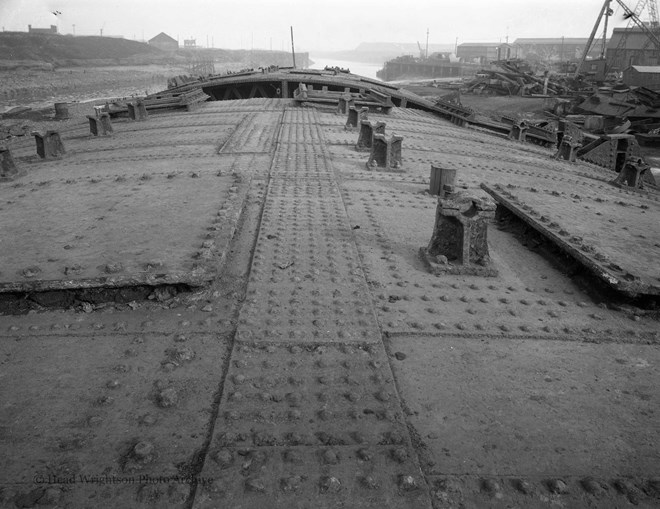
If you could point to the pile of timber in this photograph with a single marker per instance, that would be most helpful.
(181, 80)
(168, 100)
(306, 93)
(507, 79)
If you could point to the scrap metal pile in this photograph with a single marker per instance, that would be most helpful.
(187, 99)
(514, 77)
(613, 111)
(640, 107)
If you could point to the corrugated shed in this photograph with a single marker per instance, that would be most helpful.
(647, 69)
(482, 44)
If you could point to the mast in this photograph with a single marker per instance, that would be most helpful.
(293, 50)
(608, 13)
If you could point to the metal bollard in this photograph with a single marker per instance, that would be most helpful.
(442, 182)
(355, 116)
(459, 244)
(61, 111)
(567, 149)
(367, 131)
(8, 170)
(386, 153)
(101, 125)
(106, 122)
(631, 173)
(519, 131)
(345, 102)
(49, 145)
(137, 110)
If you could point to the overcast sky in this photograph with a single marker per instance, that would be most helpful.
(318, 24)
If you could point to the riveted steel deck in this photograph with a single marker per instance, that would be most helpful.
(308, 424)
(306, 282)
(99, 216)
(284, 393)
(112, 401)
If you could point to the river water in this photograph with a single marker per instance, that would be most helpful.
(365, 69)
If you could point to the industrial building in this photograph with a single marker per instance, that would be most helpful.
(483, 52)
(51, 30)
(164, 42)
(637, 49)
(642, 76)
(554, 48)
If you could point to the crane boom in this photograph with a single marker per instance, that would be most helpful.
(653, 14)
(603, 10)
(635, 18)
(624, 36)
(653, 19)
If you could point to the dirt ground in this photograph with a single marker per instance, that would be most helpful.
(30, 87)
(525, 106)
(80, 88)
(38, 88)
(530, 107)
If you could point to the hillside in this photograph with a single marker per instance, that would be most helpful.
(67, 50)
(46, 51)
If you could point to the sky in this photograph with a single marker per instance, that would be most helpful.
(318, 24)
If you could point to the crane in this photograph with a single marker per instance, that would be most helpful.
(624, 36)
(604, 12)
(424, 55)
(653, 18)
(633, 16)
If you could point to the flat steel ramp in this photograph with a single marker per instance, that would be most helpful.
(624, 256)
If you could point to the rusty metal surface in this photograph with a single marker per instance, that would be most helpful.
(396, 221)
(323, 366)
(506, 434)
(389, 239)
(255, 133)
(95, 439)
(103, 214)
(293, 430)
(293, 418)
(306, 283)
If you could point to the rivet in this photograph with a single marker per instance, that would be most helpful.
(557, 486)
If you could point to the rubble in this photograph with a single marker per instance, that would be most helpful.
(174, 98)
(513, 77)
